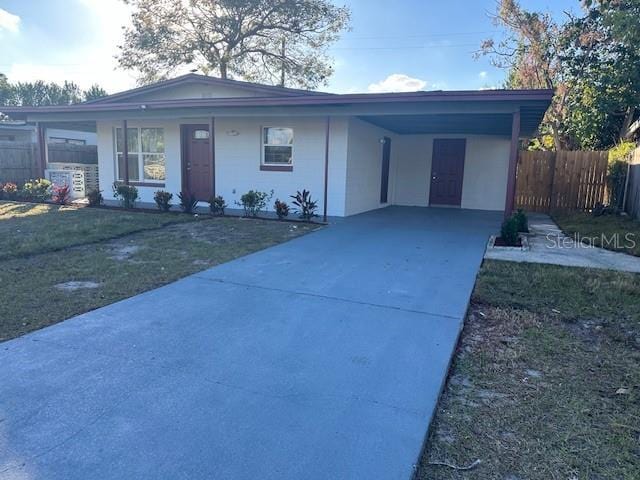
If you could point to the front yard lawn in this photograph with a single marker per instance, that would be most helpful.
(42, 286)
(546, 379)
(28, 228)
(603, 230)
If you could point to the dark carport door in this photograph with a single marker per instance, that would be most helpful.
(197, 162)
(447, 170)
(386, 158)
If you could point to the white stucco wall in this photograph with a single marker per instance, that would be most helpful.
(364, 167)
(238, 159)
(355, 163)
(485, 170)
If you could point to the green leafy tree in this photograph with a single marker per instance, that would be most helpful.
(602, 59)
(94, 92)
(272, 41)
(591, 61)
(40, 93)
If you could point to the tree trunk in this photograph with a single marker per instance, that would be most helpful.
(625, 131)
(223, 69)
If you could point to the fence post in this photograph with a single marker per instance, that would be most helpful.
(552, 188)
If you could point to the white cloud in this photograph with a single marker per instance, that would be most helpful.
(9, 21)
(483, 75)
(398, 82)
(87, 63)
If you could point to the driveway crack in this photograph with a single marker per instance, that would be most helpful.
(329, 297)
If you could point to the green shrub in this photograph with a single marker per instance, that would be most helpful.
(306, 208)
(217, 205)
(94, 197)
(38, 190)
(188, 201)
(163, 200)
(282, 209)
(128, 194)
(522, 221)
(253, 202)
(509, 232)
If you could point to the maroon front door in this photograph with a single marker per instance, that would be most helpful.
(447, 169)
(197, 164)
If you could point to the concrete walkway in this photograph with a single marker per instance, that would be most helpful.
(549, 245)
(319, 358)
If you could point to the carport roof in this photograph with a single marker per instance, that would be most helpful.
(467, 111)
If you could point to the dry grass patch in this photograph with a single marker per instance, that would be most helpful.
(546, 380)
(42, 289)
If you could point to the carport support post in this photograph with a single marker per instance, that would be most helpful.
(513, 164)
(41, 133)
(125, 152)
(326, 168)
(212, 147)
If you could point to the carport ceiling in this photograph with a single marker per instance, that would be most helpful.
(472, 123)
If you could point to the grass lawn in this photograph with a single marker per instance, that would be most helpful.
(546, 380)
(28, 228)
(162, 248)
(594, 228)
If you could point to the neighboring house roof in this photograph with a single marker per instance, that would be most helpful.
(192, 78)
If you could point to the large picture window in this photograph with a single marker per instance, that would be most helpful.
(146, 154)
(277, 146)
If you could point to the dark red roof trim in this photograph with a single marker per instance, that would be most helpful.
(319, 99)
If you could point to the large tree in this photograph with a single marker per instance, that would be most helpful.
(272, 41)
(529, 51)
(602, 60)
(592, 61)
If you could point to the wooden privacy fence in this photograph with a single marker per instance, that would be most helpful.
(563, 180)
(632, 203)
(19, 160)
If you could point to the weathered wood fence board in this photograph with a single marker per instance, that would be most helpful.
(19, 160)
(563, 180)
(632, 204)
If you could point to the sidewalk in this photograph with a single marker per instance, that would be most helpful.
(549, 245)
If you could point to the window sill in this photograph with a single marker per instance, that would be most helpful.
(142, 184)
(276, 168)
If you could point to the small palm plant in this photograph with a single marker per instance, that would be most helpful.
(306, 207)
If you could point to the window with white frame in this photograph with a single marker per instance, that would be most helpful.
(147, 159)
(277, 146)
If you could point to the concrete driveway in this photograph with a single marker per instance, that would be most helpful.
(319, 358)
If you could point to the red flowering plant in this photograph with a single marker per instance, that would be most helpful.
(60, 194)
(10, 190)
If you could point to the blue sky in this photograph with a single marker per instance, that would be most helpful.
(393, 45)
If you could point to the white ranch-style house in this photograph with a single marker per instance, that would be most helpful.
(354, 152)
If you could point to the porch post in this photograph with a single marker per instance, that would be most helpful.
(513, 164)
(41, 134)
(212, 146)
(125, 152)
(326, 167)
